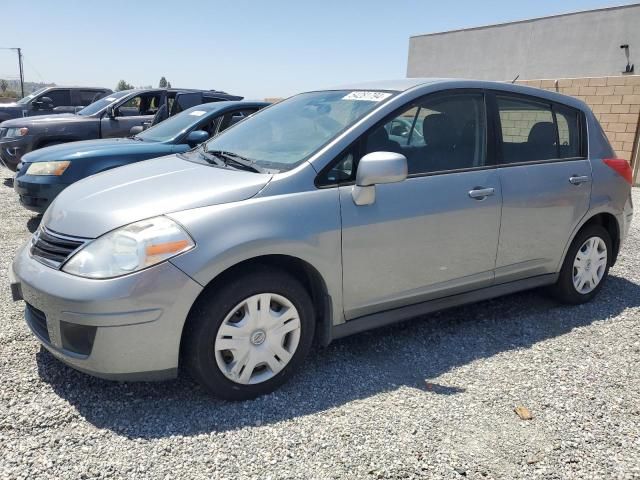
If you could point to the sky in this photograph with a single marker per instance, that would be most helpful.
(255, 48)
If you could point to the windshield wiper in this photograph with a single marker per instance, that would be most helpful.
(238, 161)
(208, 157)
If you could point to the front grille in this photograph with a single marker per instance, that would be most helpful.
(52, 248)
(37, 320)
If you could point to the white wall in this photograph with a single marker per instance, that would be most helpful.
(584, 44)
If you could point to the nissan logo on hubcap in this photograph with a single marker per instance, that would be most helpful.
(258, 337)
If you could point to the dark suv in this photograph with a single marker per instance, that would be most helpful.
(52, 100)
(112, 116)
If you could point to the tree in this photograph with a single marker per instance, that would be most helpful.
(3, 85)
(168, 84)
(163, 82)
(122, 85)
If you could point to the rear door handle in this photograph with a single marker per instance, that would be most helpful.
(481, 193)
(577, 180)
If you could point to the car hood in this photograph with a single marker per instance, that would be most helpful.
(9, 105)
(100, 203)
(42, 120)
(90, 149)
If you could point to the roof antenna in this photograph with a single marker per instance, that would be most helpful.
(514, 80)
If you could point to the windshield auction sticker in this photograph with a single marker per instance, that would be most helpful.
(197, 113)
(365, 96)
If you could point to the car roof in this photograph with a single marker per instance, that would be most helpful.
(76, 87)
(216, 106)
(406, 84)
(175, 89)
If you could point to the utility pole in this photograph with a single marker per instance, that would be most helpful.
(19, 50)
(21, 72)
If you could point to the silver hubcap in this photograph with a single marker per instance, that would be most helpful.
(257, 339)
(589, 265)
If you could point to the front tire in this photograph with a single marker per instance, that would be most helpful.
(248, 337)
(585, 267)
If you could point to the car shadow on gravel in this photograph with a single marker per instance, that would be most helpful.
(357, 367)
(8, 182)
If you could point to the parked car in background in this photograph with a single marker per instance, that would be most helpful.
(50, 100)
(111, 116)
(43, 174)
(307, 222)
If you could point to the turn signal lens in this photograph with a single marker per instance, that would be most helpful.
(48, 168)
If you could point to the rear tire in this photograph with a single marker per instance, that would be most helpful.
(585, 267)
(236, 346)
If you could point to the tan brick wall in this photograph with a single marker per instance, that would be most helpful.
(614, 100)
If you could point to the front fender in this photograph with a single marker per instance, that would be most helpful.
(305, 225)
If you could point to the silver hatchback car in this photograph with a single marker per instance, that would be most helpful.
(324, 215)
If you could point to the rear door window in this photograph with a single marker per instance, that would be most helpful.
(528, 130)
(87, 97)
(231, 118)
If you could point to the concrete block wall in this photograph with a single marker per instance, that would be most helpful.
(614, 100)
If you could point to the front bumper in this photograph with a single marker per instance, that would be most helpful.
(36, 192)
(12, 150)
(128, 328)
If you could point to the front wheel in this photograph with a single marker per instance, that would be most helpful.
(247, 338)
(585, 267)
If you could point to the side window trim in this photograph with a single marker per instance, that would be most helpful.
(356, 146)
(493, 94)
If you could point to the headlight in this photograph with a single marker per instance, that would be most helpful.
(48, 168)
(129, 249)
(16, 132)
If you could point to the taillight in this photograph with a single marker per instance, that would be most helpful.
(622, 168)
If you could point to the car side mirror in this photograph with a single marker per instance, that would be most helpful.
(196, 137)
(43, 103)
(136, 130)
(111, 112)
(377, 168)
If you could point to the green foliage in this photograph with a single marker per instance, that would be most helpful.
(3, 85)
(123, 85)
(163, 83)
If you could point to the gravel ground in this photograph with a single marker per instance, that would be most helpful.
(430, 399)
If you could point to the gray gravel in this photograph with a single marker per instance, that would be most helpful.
(360, 408)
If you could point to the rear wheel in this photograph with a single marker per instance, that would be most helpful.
(585, 267)
(249, 337)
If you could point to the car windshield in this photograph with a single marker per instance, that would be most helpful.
(98, 105)
(287, 133)
(173, 127)
(28, 98)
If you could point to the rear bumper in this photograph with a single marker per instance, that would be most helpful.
(37, 192)
(128, 328)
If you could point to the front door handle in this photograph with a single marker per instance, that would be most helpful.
(481, 193)
(577, 180)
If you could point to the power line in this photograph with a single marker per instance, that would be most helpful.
(34, 68)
